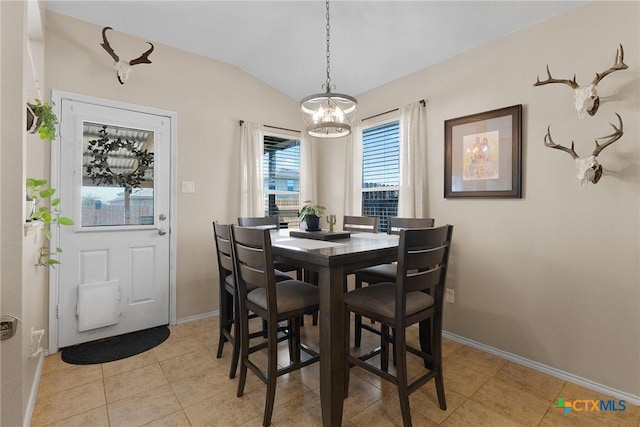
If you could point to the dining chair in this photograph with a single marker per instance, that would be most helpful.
(362, 224)
(415, 297)
(270, 222)
(274, 302)
(228, 294)
(273, 222)
(384, 272)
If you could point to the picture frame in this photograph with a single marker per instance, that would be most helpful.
(483, 154)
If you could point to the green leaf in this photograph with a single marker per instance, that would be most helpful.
(53, 262)
(46, 193)
(46, 233)
(58, 250)
(55, 202)
(46, 217)
(63, 220)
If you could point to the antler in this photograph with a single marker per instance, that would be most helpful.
(612, 138)
(105, 44)
(618, 64)
(571, 83)
(552, 144)
(144, 58)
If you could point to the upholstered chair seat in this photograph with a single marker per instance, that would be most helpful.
(381, 301)
(291, 296)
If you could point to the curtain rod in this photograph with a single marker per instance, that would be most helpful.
(273, 127)
(422, 101)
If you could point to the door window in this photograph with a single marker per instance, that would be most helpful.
(117, 176)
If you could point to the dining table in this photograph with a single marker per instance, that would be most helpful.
(333, 260)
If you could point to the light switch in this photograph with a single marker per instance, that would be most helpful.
(188, 187)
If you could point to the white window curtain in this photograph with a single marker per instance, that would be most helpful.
(412, 200)
(308, 182)
(251, 179)
(353, 171)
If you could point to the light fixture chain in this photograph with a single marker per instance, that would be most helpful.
(328, 115)
(328, 51)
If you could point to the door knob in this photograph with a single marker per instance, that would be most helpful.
(162, 231)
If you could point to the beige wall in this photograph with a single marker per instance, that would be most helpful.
(35, 280)
(12, 110)
(552, 277)
(209, 98)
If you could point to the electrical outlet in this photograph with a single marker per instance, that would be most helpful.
(449, 296)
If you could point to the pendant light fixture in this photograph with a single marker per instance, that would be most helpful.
(328, 114)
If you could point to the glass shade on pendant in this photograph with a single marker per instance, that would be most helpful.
(328, 115)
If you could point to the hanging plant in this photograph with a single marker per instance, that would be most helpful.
(41, 119)
(99, 170)
(38, 194)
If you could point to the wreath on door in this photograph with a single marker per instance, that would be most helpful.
(99, 170)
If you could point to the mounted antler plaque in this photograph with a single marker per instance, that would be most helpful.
(589, 170)
(124, 68)
(586, 98)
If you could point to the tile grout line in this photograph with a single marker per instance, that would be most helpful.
(104, 391)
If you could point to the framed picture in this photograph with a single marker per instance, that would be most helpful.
(483, 154)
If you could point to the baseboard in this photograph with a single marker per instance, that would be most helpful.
(567, 376)
(34, 392)
(198, 317)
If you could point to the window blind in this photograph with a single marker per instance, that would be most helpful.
(381, 171)
(281, 171)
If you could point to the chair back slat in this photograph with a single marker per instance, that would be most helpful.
(251, 267)
(363, 224)
(430, 238)
(395, 224)
(424, 280)
(224, 253)
(222, 235)
(268, 222)
(425, 259)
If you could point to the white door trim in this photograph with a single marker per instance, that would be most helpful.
(57, 97)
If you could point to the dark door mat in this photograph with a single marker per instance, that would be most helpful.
(115, 348)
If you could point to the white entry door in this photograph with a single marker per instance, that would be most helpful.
(114, 182)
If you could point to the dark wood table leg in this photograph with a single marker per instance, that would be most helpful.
(331, 345)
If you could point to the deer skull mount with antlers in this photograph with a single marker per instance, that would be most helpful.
(586, 98)
(589, 170)
(124, 68)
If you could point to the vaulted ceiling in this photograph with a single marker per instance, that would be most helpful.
(283, 43)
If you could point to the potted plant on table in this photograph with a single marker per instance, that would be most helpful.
(41, 119)
(311, 214)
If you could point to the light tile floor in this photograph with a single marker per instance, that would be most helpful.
(181, 383)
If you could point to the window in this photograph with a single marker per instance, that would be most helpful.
(281, 163)
(381, 171)
(118, 176)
